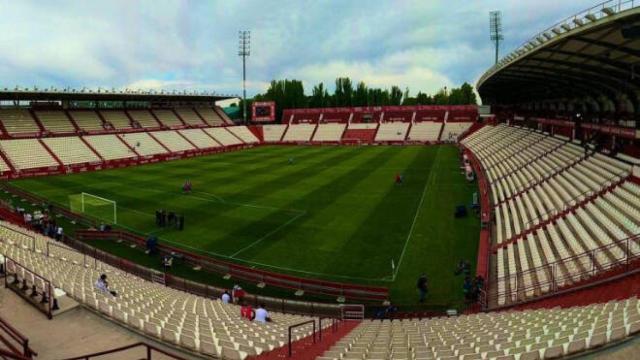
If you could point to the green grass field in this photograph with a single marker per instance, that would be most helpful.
(335, 213)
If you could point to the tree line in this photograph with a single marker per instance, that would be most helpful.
(289, 94)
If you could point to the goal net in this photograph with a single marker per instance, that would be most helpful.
(94, 206)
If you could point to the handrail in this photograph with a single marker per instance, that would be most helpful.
(313, 335)
(5, 354)
(334, 325)
(577, 268)
(569, 24)
(18, 337)
(46, 296)
(150, 348)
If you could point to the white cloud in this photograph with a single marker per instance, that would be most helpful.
(167, 44)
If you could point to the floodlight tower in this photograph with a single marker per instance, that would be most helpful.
(244, 50)
(495, 29)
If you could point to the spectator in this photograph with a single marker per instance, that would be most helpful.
(226, 298)
(467, 288)
(103, 285)
(237, 293)
(246, 312)
(59, 233)
(262, 315)
(423, 287)
(167, 262)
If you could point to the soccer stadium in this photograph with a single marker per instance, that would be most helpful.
(499, 220)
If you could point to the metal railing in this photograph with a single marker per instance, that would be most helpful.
(564, 26)
(16, 343)
(22, 278)
(568, 273)
(313, 335)
(149, 350)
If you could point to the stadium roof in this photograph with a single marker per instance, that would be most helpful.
(107, 95)
(592, 57)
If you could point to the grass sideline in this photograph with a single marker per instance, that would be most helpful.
(334, 213)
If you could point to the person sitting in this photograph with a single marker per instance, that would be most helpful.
(246, 312)
(226, 297)
(262, 315)
(103, 285)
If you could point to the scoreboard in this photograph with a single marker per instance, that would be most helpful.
(263, 111)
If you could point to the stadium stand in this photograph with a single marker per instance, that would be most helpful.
(144, 118)
(364, 132)
(273, 133)
(87, 120)
(190, 117)
(524, 335)
(453, 130)
(392, 131)
(554, 203)
(117, 119)
(143, 144)
(425, 131)
(329, 132)
(172, 140)
(195, 323)
(55, 121)
(71, 150)
(223, 136)
(109, 147)
(210, 116)
(244, 134)
(168, 118)
(299, 132)
(199, 138)
(19, 121)
(27, 154)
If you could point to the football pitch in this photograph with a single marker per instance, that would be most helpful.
(332, 212)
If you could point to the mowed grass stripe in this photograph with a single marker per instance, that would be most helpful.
(312, 233)
(355, 220)
(307, 190)
(439, 240)
(392, 210)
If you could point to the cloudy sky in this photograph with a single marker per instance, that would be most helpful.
(420, 44)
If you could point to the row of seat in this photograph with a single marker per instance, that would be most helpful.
(196, 323)
(425, 131)
(70, 150)
(517, 335)
(22, 122)
(561, 213)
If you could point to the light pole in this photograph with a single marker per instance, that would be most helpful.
(495, 29)
(244, 50)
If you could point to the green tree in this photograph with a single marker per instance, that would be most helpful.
(360, 95)
(395, 96)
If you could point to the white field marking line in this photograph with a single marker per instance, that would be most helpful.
(415, 217)
(268, 234)
(218, 199)
(253, 263)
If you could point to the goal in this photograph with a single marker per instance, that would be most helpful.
(94, 206)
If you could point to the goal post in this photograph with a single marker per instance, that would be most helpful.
(94, 206)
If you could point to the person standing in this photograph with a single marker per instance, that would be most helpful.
(423, 287)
